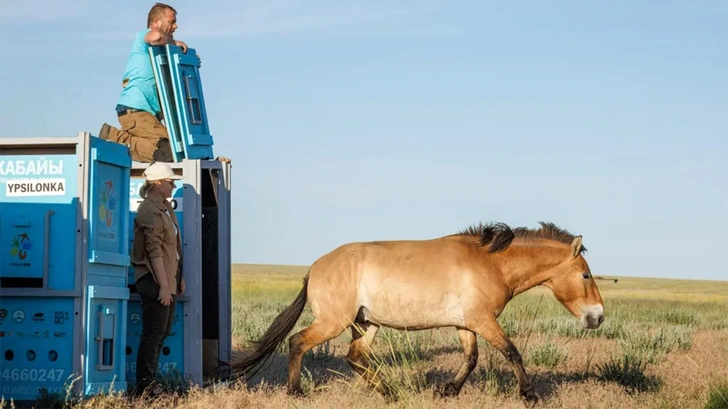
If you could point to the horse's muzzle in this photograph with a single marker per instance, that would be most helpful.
(592, 317)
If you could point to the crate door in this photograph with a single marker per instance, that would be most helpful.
(191, 113)
(108, 205)
(163, 79)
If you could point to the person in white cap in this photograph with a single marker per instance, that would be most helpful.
(155, 256)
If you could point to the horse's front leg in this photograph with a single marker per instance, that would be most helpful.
(493, 333)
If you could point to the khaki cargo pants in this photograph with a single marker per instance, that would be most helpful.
(145, 136)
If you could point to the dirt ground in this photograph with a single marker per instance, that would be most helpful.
(684, 379)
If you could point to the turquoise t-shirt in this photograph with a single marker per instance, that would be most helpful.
(141, 90)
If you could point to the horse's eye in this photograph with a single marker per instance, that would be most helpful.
(586, 276)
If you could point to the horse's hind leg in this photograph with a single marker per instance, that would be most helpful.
(470, 348)
(317, 333)
(360, 349)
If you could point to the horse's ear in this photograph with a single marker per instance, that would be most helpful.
(576, 246)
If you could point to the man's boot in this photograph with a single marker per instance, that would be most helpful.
(163, 153)
(104, 132)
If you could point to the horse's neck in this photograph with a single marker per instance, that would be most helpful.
(529, 266)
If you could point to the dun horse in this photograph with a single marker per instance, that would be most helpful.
(463, 280)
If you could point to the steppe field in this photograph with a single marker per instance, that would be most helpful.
(664, 344)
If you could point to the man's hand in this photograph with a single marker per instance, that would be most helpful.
(181, 44)
(182, 286)
(223, 159)
(165, 297)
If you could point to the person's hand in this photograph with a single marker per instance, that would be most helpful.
(223, 159)
(199, 60)
(181, 44)
(182, 286)
(165, 297)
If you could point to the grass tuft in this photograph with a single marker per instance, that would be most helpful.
(718, 397)
(628, 371)
(548, 355)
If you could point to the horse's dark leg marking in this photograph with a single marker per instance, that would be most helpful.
(363, 334)
(493, 333)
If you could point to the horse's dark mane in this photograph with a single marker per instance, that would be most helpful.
(500, 235)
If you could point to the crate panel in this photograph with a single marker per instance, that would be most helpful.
(106, 338)
(182, 101)
(36, 340)
(38, 220)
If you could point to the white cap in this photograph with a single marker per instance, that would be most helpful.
(160, 171)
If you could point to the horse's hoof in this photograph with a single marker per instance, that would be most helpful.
(446, 391)
(390, 397)
(388, 394)
(530, 397)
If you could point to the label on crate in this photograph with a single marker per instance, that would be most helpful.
(32, 375)
(35, 187)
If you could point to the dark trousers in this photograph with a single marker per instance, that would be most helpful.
(156, 325)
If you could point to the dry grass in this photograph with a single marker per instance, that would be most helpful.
(676, 331)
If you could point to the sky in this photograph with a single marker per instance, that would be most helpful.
(375, 120)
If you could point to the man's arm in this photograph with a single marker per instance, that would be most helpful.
(158, 37)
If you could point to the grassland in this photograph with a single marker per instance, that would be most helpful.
(664, 344)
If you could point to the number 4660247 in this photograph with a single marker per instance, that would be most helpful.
(32, 375)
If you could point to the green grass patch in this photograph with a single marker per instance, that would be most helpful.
(718, 397)
(629, 372)
(548, 355)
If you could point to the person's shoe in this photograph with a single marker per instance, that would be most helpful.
(156, 391)
(163, 153)
(104, 132)
(149, 391)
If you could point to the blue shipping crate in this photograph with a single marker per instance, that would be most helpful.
(64, 275)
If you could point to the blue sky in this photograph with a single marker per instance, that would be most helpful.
(369, 120)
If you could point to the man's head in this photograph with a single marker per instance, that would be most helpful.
(162, 17)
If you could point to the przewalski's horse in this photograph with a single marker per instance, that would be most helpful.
(463, 280)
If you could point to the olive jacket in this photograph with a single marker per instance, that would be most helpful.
(156, 234)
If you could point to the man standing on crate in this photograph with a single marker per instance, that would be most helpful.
(138, 106)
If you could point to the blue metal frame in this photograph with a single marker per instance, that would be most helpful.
(183, 104)
(160, 67)
(191, 111)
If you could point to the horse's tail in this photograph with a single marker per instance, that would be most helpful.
(246, 367)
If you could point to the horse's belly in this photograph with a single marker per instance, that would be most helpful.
(412, 311)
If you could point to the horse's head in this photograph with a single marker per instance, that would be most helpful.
(574, 286)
